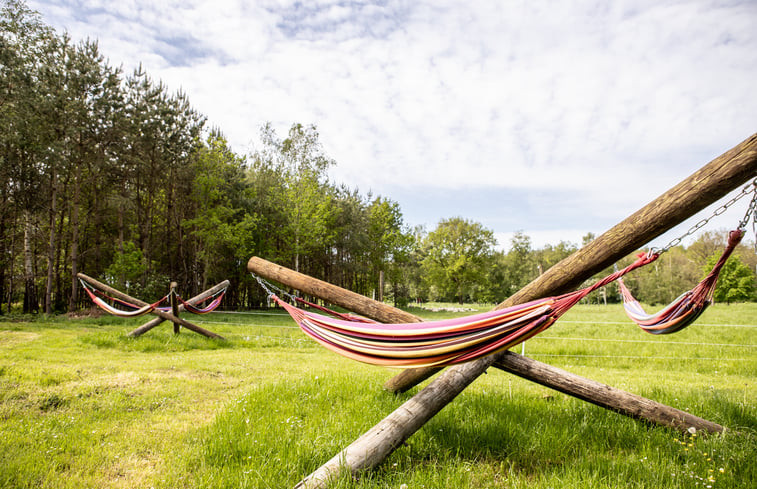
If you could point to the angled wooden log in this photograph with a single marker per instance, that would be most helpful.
(194, 300)
(331, 293)
(166, 316)
(702, 188)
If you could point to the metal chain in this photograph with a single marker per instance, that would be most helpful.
(749, 188)
(268, 286)
(751, 211)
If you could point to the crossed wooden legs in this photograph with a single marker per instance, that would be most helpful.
(162, 315)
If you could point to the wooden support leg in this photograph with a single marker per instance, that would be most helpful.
(174, 306)
(194, 300)
(166, 316)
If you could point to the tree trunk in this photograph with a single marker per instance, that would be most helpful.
(51, 246)
(30, 292)
(3, 259)
(74, 297)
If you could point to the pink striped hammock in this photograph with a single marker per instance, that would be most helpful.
(687, 307)
(459, 340)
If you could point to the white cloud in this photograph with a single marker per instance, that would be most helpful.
(607, 104)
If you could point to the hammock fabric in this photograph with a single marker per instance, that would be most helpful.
(340, 315)
(687, 307)
(217, 298)
(444, 342)
(104, 301)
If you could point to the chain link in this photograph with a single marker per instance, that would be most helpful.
(751, 211)
(272, 289)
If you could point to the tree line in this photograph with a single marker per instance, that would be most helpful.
(114, 175)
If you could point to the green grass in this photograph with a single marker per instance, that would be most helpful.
(83, 405)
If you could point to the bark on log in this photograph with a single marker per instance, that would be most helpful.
(705, 186)
(603, 395)
(166, 316)
(194, 300)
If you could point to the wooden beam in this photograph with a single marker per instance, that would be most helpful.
(194, 300)
(166, 316)
(603, 395)
(705, 186)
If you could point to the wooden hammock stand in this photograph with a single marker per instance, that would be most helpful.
(702, 188)
(172, 316)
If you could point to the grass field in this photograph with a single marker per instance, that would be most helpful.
(82, 405)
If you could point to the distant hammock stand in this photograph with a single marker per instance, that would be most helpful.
(166, 308)
(459, 340)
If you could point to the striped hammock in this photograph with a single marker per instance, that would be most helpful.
(215, 301)
(126, 309)
(687, 307)
(121, 308)
(444, 342)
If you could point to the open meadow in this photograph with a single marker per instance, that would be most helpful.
(84, 406)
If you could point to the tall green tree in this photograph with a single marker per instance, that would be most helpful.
(30, 54)
(387, 241)
(457, 255)
(736, 283)
(224, 225)
(307, 198)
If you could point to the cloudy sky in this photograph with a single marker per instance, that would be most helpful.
(551, 118)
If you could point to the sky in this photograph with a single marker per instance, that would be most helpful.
(554, 119)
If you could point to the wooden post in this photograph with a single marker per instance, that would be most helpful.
(194, 300)
(705, 186)
(174, 306)
(166, 316)
(603, 395)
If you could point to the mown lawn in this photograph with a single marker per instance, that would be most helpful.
(82, 405)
